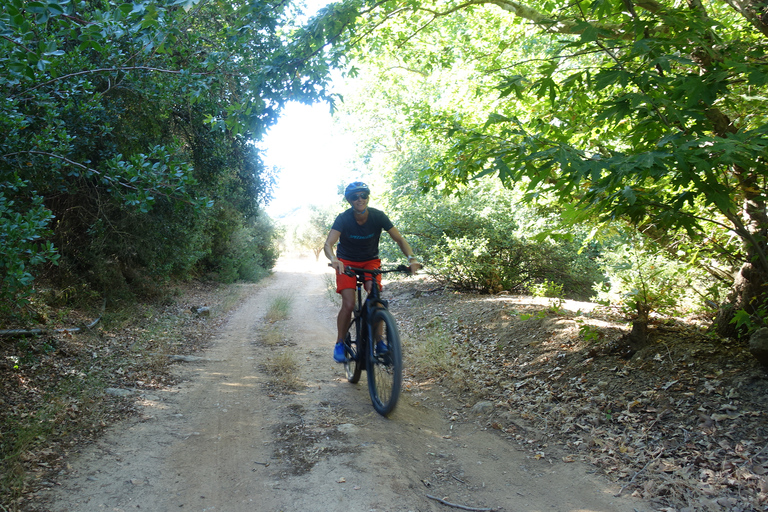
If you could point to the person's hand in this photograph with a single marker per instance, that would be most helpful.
(339, 266)
(415, 266)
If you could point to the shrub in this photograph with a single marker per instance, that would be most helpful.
(487, 241)
(244, 251)
(547, 288)
(21, 247)
(643, 280)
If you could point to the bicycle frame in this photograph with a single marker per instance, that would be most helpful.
(364, 309)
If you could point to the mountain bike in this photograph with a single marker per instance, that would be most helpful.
(374, 343)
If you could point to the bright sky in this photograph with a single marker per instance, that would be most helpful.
(312, 156)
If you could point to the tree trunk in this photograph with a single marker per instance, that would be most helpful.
(750, 287)
(747, 293)
(638, 337)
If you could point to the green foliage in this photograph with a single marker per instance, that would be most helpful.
(554, 291)
(240, 252)
(643, 280)
(311, 235)
(477, 241)
(636, 111)
(22, 248)
(749, 321)
(590, 333)
(124, 123)
(547, 288)
(539, 315)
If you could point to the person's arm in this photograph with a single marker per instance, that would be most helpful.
(413, 262)
(330, 243)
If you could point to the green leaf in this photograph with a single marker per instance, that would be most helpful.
(55, 8)
(187, 5)
(629, 194)
(609, 77)
(36, 7)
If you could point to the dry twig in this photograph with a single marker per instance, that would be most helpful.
(462, 507)
(638, 473)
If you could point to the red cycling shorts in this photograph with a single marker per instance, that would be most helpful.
(344, 281)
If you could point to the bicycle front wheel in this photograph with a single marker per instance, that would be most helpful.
(384, 363)
(353, 365)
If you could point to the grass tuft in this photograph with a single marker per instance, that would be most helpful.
(284, 369)
(279, 308)
(330, 289)
(272, 336)
(434, 355)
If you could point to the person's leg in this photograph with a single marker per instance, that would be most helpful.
(346, 287)
(371, 265)
(377, 336)
(345, 313)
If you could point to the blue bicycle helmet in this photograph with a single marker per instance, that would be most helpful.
(356, 186)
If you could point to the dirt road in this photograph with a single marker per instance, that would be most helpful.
(227, 440)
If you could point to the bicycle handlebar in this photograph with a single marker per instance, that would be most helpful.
(352, 271)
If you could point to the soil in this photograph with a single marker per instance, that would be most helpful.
(680, 423)
(535, 412)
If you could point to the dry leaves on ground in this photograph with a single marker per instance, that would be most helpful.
(682, 423)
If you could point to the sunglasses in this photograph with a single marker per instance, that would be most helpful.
(355, 197)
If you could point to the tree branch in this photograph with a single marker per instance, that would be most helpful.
(746, 234)
(102, 70)
(462, 507)
(89, 169)
(17, 43)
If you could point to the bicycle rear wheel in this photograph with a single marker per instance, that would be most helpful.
(384, 368)
(353, 365)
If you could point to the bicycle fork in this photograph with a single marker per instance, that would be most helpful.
(373, 332)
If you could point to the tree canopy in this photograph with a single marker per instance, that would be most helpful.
(128, 132)
(129, 126)
(650, 111)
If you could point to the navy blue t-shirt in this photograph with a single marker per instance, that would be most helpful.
(360, 243)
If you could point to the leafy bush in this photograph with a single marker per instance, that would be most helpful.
(547, 288)
(244, 251)
(117, 166)
(491, 262)
(486, 240)
(22, 247)
(643, 280)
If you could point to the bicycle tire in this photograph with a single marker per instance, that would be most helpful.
(353, 364)
(385, 371)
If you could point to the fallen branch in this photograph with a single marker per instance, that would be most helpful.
(65, 330)
(462, 507)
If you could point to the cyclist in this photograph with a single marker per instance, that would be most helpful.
(357, 231)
